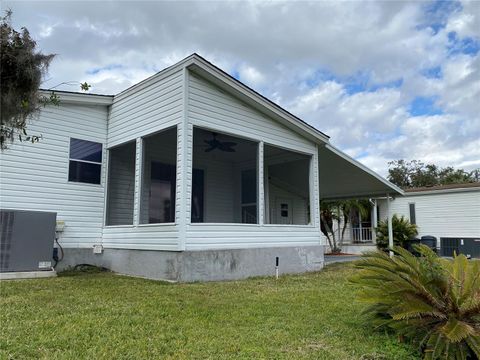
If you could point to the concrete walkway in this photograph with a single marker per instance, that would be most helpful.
(330, 259)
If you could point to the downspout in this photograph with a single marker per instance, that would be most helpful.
(375, 219)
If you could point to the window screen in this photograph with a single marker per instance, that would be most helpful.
(85, 161)
(412, 213)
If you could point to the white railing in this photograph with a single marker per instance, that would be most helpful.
(362, 235)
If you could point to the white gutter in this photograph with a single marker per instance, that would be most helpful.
(79, 98)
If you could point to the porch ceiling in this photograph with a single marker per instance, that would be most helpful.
(343, 177)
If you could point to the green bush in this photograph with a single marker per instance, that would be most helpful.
(403, 231)
(429, 300)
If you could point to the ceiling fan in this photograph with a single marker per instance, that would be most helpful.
(220, 145)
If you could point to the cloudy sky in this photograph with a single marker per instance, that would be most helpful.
(386, 80)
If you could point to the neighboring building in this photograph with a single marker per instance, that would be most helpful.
(451, 213)
(188, 175)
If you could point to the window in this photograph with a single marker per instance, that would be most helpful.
(413, 220)
(198, 182)
(162, 193)
(85, 161)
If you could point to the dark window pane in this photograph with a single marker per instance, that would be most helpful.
(197, 195)
(84, 172)
(249, 214)
(85, 150)
(162, 193)
(412, 214)
(249, 186)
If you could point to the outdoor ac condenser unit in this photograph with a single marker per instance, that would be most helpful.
(26, 240)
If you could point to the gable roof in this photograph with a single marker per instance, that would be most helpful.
(365, 182)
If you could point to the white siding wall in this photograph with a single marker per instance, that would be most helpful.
(35, 176)
(442, 214)
(152, 107)
(211, 108)
(139, 112)
(299, 204)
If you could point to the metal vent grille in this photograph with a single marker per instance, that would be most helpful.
(7, 219)
(449, 246)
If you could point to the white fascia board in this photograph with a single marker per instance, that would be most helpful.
(441, 191)
(306, 130)
(358, 164)
(80, 98)
(156, 77)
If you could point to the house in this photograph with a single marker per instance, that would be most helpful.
(451, 213)
(187, 175)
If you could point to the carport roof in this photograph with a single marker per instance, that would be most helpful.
(342, 177)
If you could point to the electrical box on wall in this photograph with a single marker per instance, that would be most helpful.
(97, 249)
(26, 240)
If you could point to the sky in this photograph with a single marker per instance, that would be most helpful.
(385, 80)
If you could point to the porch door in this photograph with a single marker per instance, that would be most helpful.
(283, 211)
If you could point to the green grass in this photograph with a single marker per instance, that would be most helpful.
(106, 316)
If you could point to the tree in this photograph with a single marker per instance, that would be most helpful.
(403, 231)
(431, 301)
(22, 68)
(410, 174)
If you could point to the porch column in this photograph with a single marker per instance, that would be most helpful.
(390, 229)
(138, 180)
(375, 221)
(184, 167)
(260, 184)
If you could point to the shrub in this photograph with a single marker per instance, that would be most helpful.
(431, 301)
(403, 231)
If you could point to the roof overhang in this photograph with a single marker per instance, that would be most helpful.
(342, 177)
(80, 98)
(224, 81)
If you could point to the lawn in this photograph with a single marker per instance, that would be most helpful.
(107, 316)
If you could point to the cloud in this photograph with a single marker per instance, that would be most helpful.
(386, 80)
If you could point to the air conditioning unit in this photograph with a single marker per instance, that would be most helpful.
(26, 240)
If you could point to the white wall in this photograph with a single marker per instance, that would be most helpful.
(35, 176)
(147, 108)
(441, 214)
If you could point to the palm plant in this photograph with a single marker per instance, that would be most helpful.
(435, 302)
(341, 212)
(403, 231)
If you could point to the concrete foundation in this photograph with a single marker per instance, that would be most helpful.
(208, 265)
(357, 249)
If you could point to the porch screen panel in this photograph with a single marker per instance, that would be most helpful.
(157, 201)
(225, 178)
(121, 185)
(287, 186)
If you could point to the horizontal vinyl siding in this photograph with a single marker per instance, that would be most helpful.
(237, 236)
(35, 176)
(441, 215)
(156, 107)
(212, 108)
(158, 237)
